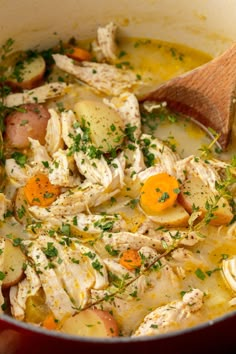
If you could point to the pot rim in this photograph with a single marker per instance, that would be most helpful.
(113, 340)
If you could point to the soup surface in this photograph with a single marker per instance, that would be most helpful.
(117, 217)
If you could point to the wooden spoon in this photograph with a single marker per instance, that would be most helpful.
(206, 94)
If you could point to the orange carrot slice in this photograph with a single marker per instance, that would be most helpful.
(50, 323)
(130, 259)
(158, 193)
(39, 191)
(79, 54)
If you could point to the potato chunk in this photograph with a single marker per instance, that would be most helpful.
(27, 73)
(104, 123)
(13, 264)
(91, 322)
(195, 194)
(30, 122)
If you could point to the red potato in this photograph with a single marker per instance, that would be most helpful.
(91, 323)
(14, 260)
(31, 122)
(194, 193)
(28, 75)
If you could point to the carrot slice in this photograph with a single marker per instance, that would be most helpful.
(50, 323)
(79, 54)
(39, 191)
(130, 259)
(158, 193)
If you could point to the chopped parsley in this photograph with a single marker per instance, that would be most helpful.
(50, 251)
(20, 158)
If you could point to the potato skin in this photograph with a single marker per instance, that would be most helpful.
(31, 75)
(31, 122)
(195, 193)
(91, 322)
(13, 265)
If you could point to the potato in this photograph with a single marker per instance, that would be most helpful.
(27, 73)
(194, 193)
(21, 208)
(13, 264)
(173, 216)
(91, 322)
(104, 123)
(31, 122)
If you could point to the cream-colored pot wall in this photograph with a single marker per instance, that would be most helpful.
(208, 25)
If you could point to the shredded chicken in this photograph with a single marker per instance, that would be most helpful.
(128, 107)
(56, 297)
(53, 136)
(164, 157)
(105, 47)
(196, 166)
(39, 94)
(102, 77)
(22, 291)
(74, 201)
(63, 171)
(124, 240)
(170, 316)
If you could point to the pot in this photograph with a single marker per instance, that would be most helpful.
(206, 25)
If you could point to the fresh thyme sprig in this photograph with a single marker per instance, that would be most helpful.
(223, 191)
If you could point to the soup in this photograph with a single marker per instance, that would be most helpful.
(117, 218)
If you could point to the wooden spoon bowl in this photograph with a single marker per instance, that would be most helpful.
(206, 94)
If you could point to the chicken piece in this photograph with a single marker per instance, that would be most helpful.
(5, 205)
(74, 201)
(150, 171)
(39, 94)
(229, 272)
(22, 291)
(95, 265)
(2, 246)
(128, 107)
(148, 256)
(104, 47)
(195, 166)
(169, 236)
(117, 169)
(56, 297)
(163, 155)
(94, 170)
(72, 271)
(70, 127)
(103, 77)
(17, 173)
(135, 160)
(122, 241)
(171, 316)
(53, 136)
(39, 154)
(115, 268)
(96, 223)
(63, 171)
(150, 106)
(87, 223)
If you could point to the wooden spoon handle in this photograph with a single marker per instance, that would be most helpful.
(206, 94)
